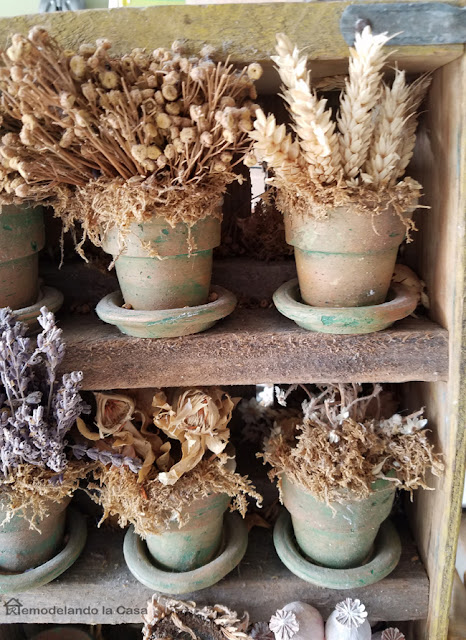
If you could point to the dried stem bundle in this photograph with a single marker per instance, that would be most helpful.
(360, 162)
(342, 443)
(104, 128)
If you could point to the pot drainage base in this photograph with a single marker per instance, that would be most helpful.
(345, 320)
(144, 569)
(48, 297)
(168, 323)
(387, 552)
(76, 532)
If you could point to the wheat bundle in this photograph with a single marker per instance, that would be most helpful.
(359, 157)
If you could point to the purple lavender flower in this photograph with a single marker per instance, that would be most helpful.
(37, 410)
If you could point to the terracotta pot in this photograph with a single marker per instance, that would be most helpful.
(23, 548)
(340, 536)
(22, 236)
(174, 279)
(195, 544)
(346, 259)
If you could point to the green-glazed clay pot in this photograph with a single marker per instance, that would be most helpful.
(340, 536)
(197, 542)
(22, 236)
(347, 258)
(23, 548)
(174, 276)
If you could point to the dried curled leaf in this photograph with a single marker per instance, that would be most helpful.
(198, 419)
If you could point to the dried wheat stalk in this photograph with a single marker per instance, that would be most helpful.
(312, 122)
(365, 158)
(417, 93)
(273, 145)
(387, 140)
(360, 97)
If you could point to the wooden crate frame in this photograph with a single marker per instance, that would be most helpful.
(438, 377)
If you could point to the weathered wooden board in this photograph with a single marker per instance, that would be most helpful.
(254, 346)
(441, 261)
(245, 32)
(101, 582)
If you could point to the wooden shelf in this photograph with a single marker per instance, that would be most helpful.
(253, 346)
(260, 585)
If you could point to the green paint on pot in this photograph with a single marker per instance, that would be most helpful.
(34, 245)
(7, 227)
(393, 235)
(340, 535)
(23, 548)
(165, 232)
(194, 545)
(327, 320)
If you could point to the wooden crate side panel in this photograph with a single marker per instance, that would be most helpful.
(441, 165)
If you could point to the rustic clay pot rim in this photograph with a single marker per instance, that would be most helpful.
(387, 555)
(76, 530)
(350, 320)
(145, 571)
(202, 317)
(48, 297)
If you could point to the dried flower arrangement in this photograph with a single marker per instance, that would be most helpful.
(361, 156)
(167, 618)
(112, 140)
(342, 442)
(37, 412)
(159, 452)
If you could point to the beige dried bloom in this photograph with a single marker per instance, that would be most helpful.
(108, 79)
(255, 71)
(169, 92)
(78, 66)
(362, 92)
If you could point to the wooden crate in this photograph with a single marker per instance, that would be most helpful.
(256, 346)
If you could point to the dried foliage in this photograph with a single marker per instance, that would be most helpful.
(109, 140)
(342, 442)
(152, 507)
(37, 408)
(159, 451)
(170, 618)
(30, 491)
(358, 158)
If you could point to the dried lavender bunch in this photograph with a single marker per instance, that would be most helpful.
(37, 410)
(106, 457)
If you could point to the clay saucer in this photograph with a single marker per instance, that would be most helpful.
(401, 302)
(76, 532)
(385, 557)
(144, 568)
(48, 297)
(168, 323)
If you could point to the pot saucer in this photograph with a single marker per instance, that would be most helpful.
(145, 569)
(166, 323)
(76, 532)
(48, 297)
(402, 301)
(387, 552)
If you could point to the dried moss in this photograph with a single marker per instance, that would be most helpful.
(152, 506)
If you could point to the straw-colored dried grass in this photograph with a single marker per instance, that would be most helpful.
(151, 506)
(29, 491)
